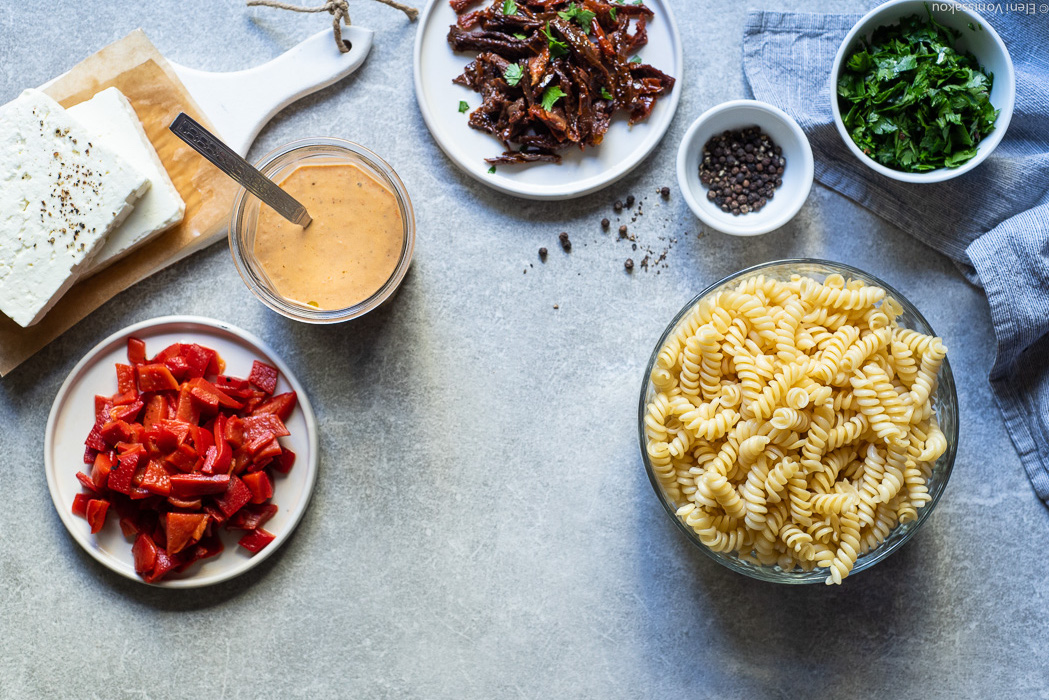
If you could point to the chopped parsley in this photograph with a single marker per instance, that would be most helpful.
(551, 95)
(606, 95)
(520, 36)
(491, 170)
(463, 106)
(612, 13)
(557, 47)
(579, 16)
(513, 74)
(635, 59)
(509, 7)
(913, 103)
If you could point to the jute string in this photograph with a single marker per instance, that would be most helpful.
(340, 13)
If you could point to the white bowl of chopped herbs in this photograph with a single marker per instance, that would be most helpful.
(922, 91)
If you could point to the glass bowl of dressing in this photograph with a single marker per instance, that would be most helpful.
(352, 257)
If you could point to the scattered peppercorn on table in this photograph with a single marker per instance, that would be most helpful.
(482, 525)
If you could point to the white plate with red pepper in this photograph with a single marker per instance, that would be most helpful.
(181, 452)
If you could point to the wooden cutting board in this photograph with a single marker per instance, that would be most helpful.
(235, 105)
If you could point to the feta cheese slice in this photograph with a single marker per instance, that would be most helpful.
(61, 193)
(110, 117)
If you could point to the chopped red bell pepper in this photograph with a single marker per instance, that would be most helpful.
(208, 547)
(127, 464)
(228, 384)
(156, 377)
(156, 479)
(182, 529)
(264, 376)
(136, 351)
(261, 423)
(120, 400)
(125, 378)
(193, 485)
(102, 405)
(177, 428)
(185, 503)
(185, 410)
(252, 516)
(256, 540)
(285, 462)
(115, 432)
(166, 449)
(182, 458)
(95, 439)
(260, 485)
(173, 350)
(80, 502)
(177, 366)
(126, 412)
(101, 468)
(206, 402)
(156, 410)
(217, 516)
(87, 482)
(145, 553)
(237, 496)
(268, 452)
(96, 514)
(197, 359)
(162, 566)
(280, 405)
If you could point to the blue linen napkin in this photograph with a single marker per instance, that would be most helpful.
(993, 221)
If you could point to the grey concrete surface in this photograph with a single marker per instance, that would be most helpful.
(482, 526)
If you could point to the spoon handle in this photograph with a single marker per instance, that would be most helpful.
(222, 157)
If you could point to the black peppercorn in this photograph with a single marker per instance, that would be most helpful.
(740, 170)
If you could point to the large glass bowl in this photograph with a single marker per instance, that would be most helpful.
(945, 404)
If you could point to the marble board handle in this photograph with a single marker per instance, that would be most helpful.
(240, 103)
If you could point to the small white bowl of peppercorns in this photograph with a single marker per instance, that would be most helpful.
(745, 167)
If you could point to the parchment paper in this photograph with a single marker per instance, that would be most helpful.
(135, 67)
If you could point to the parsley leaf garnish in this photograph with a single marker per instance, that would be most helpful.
(520, 36)
(551, 95)
(509, 7)
(513, 74)
(612, 13)
(463, 106)
(635, 59)
(557, 47)
(491, 170)
(579, 16)
(606, 95)
(913, 103)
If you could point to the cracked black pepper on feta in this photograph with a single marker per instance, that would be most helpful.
(60, 195)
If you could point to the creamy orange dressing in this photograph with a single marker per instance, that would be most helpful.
(347, 253)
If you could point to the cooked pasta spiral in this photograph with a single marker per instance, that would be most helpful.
(793, 423)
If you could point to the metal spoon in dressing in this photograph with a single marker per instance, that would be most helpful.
(225, 159)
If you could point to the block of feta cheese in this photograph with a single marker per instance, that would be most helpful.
(61, 193)
(110, 117)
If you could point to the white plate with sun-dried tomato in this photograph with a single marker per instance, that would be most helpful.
(613, 67)
(196, 450)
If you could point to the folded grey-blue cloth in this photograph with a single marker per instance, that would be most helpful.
(993, 221)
